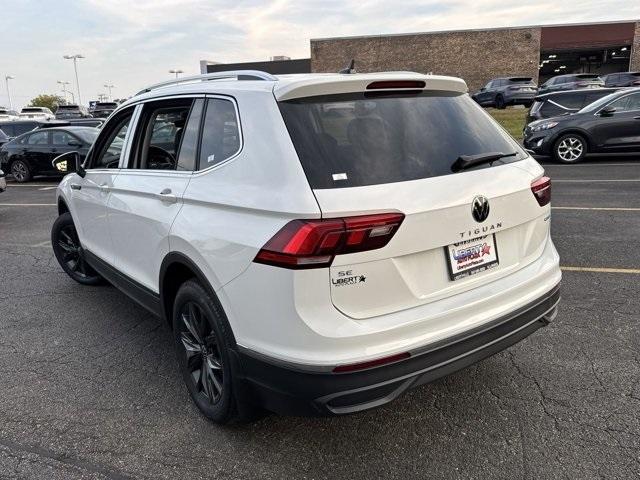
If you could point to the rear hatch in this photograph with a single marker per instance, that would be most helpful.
(368, 153)
(588, 80)
(522, 85)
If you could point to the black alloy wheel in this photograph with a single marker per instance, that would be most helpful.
(20, 171)
(202, 353)
(204, 346)
(69, 253)
(500, 102)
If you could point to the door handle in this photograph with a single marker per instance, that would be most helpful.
(104, 188)
(75, 186)
(166, 196)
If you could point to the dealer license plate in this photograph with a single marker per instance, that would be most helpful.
(471, 256)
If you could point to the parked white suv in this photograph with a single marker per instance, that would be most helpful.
(318, 243)
(38, 113)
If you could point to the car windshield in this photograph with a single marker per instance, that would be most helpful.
(357, 139)
(592, 107)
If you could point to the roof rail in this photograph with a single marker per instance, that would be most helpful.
(237, 74)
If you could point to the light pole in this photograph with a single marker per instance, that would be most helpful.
(177, 72)
(75, 67)
(6, 79)
(109, 86)
(64, 89)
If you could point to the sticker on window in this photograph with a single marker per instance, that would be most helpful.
(339, 176)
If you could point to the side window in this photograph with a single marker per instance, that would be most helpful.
(8, 130)
(627, 103)
(110, 143)
(573, 101)
(38, 138)
(220, 133)
(160, 134)
(189, 142)
(60, 138)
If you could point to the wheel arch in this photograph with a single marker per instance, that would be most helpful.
(177, 268)
(62, 206)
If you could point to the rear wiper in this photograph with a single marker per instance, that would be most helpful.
(467, 161)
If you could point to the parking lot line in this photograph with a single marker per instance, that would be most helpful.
(600, 269)
(604, 209)
(27, 204)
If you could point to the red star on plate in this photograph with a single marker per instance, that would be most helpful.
(486, 249)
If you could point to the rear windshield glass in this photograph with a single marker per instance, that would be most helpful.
(355, 140)
(68, 107)
(31, 110)
(521, 80)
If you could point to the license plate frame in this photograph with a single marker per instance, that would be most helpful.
(474, 263)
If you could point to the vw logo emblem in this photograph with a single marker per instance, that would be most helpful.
(480, 208)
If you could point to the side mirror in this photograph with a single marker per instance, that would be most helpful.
(607, 111)
(483, 89)
(69, 162)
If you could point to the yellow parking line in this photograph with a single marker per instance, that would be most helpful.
(600, 269)
(604, 209)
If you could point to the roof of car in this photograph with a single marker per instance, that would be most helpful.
(560, 93)
(286, 87)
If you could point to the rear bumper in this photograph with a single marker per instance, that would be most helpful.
(295, 390)
(520, 98)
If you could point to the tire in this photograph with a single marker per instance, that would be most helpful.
(570, 148)
(69, 253)
(204, 347)
(21, 171)
(499, 102)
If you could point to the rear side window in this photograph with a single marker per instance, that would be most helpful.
(38, 138)
(573, 101)
(220, 133)
(353, 140)
(551, 109)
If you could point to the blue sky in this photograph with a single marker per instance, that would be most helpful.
(132, 43)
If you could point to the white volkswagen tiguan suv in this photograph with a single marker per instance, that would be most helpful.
(318, 243)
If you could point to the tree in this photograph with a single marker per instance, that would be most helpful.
(49, 101)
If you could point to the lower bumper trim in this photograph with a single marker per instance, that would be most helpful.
(292, 391)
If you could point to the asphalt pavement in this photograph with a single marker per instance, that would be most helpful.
(90, 390)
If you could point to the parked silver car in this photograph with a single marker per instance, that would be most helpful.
(501, 92)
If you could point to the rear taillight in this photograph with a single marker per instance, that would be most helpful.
(637, 82)
(314, 243)
(541, 189)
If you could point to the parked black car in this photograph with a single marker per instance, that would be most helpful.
(103, 109)
(573, 81)
(611, 124)
(31, 154)
(622, 79)
(501, 92)
(66, 112)
(561, 103)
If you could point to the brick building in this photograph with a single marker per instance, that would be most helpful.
(477, 56)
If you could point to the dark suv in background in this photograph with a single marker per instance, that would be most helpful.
(565, 102)
(65, 112)
(103, 109)
(610, 124)
(622, 79)
(573, 81)
(501, 92)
